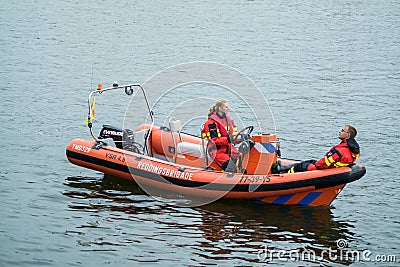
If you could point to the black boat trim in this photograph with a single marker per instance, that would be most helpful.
(319, 183)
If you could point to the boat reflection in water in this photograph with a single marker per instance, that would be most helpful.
(221, 231)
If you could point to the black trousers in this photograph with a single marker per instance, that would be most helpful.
(230, 165)
(302, 166)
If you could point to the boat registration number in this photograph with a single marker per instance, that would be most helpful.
(81, 148)
(254, 179)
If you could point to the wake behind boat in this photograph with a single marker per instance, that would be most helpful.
(165, 159)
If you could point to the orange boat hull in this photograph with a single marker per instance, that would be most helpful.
(314, 188)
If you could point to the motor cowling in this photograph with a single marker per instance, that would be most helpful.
(122, 138)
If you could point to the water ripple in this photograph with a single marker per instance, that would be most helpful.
(223, 231)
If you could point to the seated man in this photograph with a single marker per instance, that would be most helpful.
(341, 155)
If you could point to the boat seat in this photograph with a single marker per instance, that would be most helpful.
(190, 149)
(192, 154)
(175, 128)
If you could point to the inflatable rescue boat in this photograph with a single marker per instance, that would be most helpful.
(165, 159)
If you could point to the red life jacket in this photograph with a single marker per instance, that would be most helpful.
(227, 125)
(223, 126)
(341, 155)
(219, 130)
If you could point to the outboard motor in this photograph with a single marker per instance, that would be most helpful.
(113, 132)
(123, 139)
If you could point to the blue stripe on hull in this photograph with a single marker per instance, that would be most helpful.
(282, 199)
(310, 197)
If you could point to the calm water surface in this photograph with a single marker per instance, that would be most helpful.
(319, 64)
